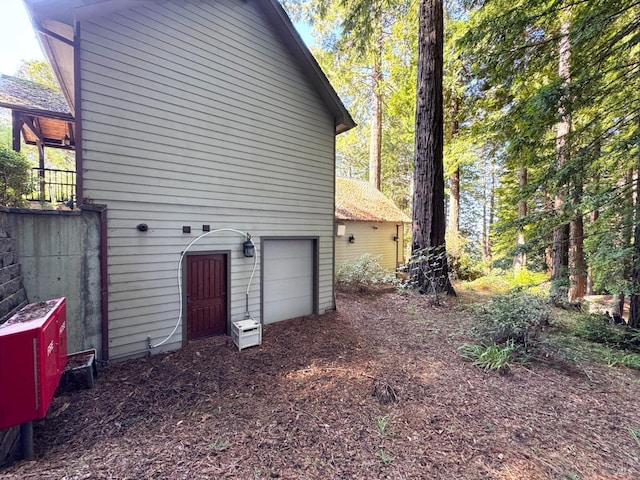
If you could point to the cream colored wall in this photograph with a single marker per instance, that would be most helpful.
(370, 237)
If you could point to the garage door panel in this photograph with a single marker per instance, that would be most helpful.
(292, 308)
(297, 270)
(288, 279)
(288, 288)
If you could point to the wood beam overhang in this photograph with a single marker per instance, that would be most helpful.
(16, 129)
(53, 35)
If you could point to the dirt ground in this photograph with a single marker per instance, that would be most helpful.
(309, 404)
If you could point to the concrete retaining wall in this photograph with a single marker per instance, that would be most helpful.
(60, 256)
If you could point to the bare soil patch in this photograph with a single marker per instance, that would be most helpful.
(310, 403)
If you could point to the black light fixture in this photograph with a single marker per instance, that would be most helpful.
(352, 239)
(248, 248)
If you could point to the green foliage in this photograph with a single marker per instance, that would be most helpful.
(220, 445)
(381, 425)
(465, 262)
(497, 358)
(596, 328)
(635, 434)
(382, 455)
(515, 317)
(365, 270)
(14, 177)
(502, 282)
(38, 71)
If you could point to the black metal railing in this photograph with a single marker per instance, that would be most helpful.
(53, 186)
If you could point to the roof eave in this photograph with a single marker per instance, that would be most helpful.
(279, 18)
(67, 13)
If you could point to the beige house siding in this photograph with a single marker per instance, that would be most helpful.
(375, 238)
(194, 113)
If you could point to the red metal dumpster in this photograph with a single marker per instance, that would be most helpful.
(33, 355)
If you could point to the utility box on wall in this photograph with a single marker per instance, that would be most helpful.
(33, 356)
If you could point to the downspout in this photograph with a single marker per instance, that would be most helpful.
(77, 100)
(102, 209)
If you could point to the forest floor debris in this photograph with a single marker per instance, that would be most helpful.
(374, 390)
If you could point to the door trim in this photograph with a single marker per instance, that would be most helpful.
(315, 279)
(227, 256)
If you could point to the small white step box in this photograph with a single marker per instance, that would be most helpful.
(246, 333)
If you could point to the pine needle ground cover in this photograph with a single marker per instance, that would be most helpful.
(374, 390)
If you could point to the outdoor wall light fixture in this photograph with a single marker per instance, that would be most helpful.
(352, 239)
(395, 238)
(248, 248)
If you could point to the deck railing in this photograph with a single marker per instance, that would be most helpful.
(53, 186)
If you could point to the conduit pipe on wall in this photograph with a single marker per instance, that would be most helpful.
(179, 273)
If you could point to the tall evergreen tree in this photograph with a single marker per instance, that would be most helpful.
(430, 270)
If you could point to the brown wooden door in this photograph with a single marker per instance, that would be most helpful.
(206, 295)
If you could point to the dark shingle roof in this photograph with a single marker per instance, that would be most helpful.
(358, 200)
(24, 94)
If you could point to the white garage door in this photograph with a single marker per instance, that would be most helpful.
(288, 279)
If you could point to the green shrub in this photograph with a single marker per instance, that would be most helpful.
(365, 270)
(14, 177)
(504, 281)
(596, 328)
(517, 317)
(493, 357)
(465, 261)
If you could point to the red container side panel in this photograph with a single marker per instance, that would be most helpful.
(18, 388)
(33, 355)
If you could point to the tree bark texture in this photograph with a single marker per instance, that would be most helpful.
(520, 259)
(428, 198)
(577, 265)
(454, 180)
(375, 139)
(634, 301)
(563, 129)
(590, 290)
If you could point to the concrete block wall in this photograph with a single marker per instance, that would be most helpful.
(12, 293)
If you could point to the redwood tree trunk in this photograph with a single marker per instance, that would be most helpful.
(563, 129)
(454, 180)
(375, 139)
(590, 290)
(520, 259)
(428, 197)
(577, 265)
(634, 301)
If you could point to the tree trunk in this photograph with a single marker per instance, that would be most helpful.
(454, 180)
(454, 201)
(577, 266)
(375, 139)
(492, 210)
(487, 215)
(590, 291)
(429, 269)
(634, 301)
(520, 259)
(563, 129)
